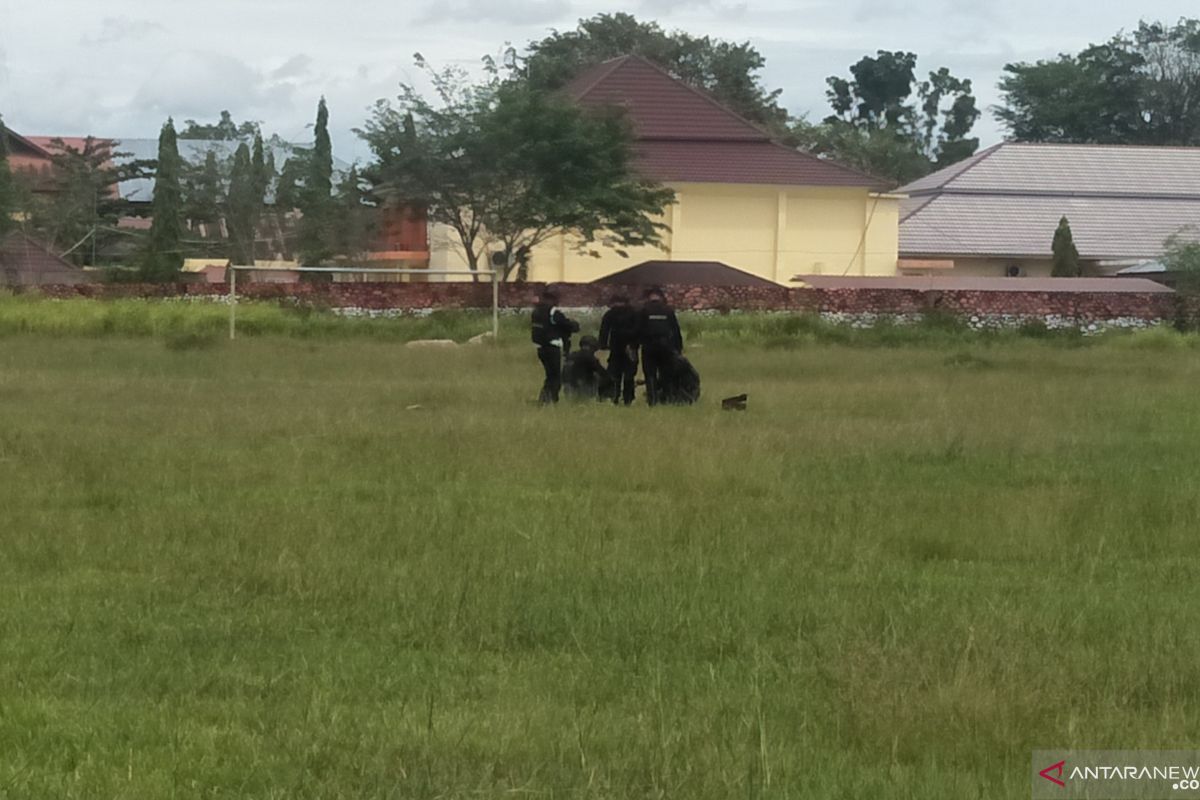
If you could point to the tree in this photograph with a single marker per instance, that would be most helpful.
(224, 129)
(1137, 88)
(242, 206)
(164, 255)
(888, 124)
(352, 215)
(9, 204)
(507, 167)
(1181, 258)
(727, 70)
(202, 191)
(80, 214)
(316, 200)
(1066, 257)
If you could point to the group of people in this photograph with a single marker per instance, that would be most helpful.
(625, 331)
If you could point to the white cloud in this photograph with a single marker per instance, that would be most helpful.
(114, 30)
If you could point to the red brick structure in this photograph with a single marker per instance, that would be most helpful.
(980, 308)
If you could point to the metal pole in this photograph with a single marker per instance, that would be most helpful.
(495, 306)
(232, 300)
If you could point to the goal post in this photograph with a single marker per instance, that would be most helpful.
(491, 274)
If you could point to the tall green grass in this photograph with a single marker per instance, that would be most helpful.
(285, 568)
(191, 321)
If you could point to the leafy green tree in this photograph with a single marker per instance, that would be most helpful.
(79, 217)
(1137, 88)
(1066, 256)
(243, 206)
(164, 254)
(507, 166)
(1181, 257)
(727, 70)
(9, 204)
(316, 201)
(225, 129)
(889, 124)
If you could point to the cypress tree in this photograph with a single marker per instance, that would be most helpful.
(204, 192)
(165, 256)
(316, 245)
(1066, 256)
(243, 206)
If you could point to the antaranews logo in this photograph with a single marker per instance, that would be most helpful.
(1054, 773)
(1116, 774)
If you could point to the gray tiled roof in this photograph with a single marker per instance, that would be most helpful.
(1006, 201)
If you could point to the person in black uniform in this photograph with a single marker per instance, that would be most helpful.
(584, 378)
(619, 336)
(661, 340)
(550, 328)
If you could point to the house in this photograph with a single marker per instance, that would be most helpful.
(24, 261)
(742, 198)
(995, 213)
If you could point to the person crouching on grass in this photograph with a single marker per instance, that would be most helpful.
(584, 377)
(550, 329)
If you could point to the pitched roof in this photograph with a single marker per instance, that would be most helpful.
(1006, 201)
(24, 261)
(976, 284)
(684, 134)
(683, 273)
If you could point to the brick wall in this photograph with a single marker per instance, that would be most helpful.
(981, 308)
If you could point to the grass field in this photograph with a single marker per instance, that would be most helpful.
(247, 571)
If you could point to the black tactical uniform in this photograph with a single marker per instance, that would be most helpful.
(550, 329)
(661, 341)
(584, 378)
(683, 383)
(619, 336)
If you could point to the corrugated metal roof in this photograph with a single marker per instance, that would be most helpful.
(970, 284)
(1005, 226)
(683, 273)
(684, 134)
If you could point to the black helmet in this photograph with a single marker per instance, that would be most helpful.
(589, 343)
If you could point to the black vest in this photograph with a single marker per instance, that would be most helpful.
(544, 330)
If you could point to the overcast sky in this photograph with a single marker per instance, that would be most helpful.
(120, 67)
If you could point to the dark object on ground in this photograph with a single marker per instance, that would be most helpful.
(584, 378)
(680, 383)
(735, 403)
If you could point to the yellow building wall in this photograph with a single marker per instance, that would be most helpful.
(990, 268)
(774, 232)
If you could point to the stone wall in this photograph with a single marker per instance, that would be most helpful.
(856, 306)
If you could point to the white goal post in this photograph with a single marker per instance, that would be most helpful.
(491, 274)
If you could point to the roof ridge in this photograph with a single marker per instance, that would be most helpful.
(696, 90)
(979, 158)
(602, 74)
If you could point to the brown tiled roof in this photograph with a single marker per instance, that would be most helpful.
(24, 261)
(1006, 201)
(683, 273)
(684, 134)
(972, 284)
